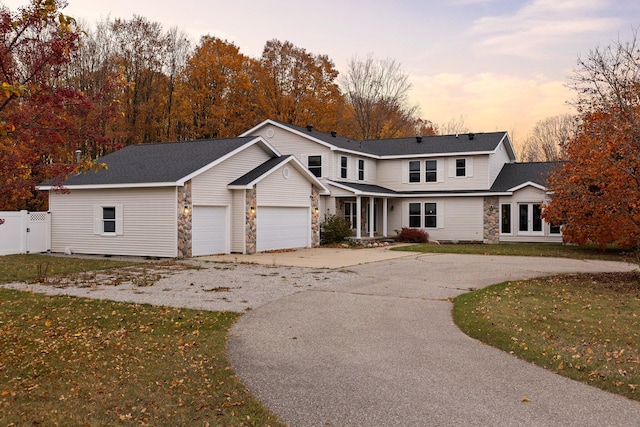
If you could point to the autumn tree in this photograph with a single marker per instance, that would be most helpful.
(42, 120)
(214, 91)
(297, 87)
(596, 193)
(547, 140)
(377, 91)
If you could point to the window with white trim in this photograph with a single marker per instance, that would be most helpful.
(530, 218)
(107, 220)
(414, 171)
(431, 171)
(505, 219)
(343, 167)
(314, 164)
(423, 215)
(350, 213)
(461, 167)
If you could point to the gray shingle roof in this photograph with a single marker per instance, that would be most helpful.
(366, 188)
(256, 173)
(436, 144)
(157, 162)
(514, 174)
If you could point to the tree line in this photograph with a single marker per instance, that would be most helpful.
(67, 87)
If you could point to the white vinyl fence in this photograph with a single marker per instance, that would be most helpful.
(24, 232)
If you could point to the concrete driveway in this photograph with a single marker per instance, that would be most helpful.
(381, 350)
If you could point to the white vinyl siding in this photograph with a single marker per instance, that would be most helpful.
(149, 222)
(276, 190)
(496, 162)
(210, 187)
(458, 218)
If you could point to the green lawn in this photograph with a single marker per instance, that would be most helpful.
(528, 249)
(583, 326)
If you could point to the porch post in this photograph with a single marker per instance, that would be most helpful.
(358, 218)
(385, 204)
(372, 226)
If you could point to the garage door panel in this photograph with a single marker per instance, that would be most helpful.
(209, 230)
(282, 228)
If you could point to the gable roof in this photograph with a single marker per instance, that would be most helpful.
(516, 175)
(403, 147)
(160, 164)
(249, 179)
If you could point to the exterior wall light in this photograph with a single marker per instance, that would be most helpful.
(185, 210)
(252, 210)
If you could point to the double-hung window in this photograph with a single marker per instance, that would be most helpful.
(427, 218)
(109, 220)
(461, 167)
(314, 163)
(360, 170)
(343, 167)
(414, 171)
(431, 171)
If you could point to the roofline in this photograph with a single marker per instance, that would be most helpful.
(230, 154)
(285, 127)
(412, 195)
(509, 146)
(445, 154)
(298, 166)
(106, 186)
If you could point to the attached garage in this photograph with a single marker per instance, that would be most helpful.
(210, 230)
(282, 228)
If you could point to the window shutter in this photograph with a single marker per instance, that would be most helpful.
(440, 170)
(440, 214)
(405, 171)
(119, 220)
(452, 167)
(469, 166)
(97, 219)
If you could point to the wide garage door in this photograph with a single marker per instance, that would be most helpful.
(209, 230)
(282, 228)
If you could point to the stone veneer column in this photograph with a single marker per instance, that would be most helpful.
(185, 234)
(250, 222)
(315, 217)
(491, 220)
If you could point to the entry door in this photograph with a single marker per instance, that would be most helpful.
(530, 219)
(350, 213)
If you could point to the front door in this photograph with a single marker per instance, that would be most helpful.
(530, 219)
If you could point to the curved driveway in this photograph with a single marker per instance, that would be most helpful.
(381, 350)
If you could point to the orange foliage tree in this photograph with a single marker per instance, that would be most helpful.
(596, 192)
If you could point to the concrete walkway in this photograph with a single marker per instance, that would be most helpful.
(381, 350)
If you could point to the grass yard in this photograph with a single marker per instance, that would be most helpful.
(541, 250)
(583, 326)
(36, 267)
(73, 361)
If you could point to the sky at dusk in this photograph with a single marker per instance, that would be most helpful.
(497, 64)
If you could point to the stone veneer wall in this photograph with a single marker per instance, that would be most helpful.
(185, 234)
(250, 223)
(491, 220)
(315, 217)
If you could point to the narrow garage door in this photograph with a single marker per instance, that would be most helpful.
(282, 228)
(209, 230)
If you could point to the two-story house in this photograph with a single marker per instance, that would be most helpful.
(270, 188)
(460, 188)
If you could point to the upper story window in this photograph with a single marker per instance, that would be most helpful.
(431, 171)
(360, 170)
(343, 167)
(314, 163)
(414, 171)
(461, 167)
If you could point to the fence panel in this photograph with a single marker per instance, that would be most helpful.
(24, 232)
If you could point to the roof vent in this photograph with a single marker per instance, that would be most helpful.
(334, 133)
(309, 128)
(472, 135)
(456, 135)
(418, 139)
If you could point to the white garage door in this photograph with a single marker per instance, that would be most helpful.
(209, 228)
(282, 228)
